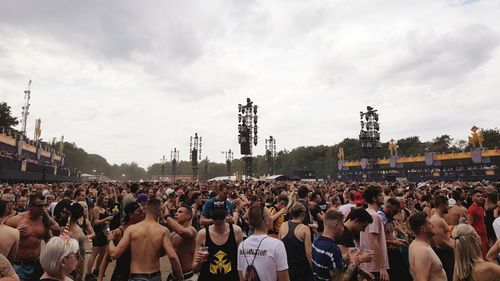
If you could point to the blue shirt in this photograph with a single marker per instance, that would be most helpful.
(209, 206)
(326, 256)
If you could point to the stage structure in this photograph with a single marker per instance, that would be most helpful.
(369, 137)
(229, 156)
(174, 158)
(247, 133)
(26, 108)
(195, 154)
(270, 154)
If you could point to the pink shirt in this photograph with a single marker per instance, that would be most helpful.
(375, 227)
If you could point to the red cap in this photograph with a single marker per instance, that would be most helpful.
(358, 198)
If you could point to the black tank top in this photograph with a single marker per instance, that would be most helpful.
(122, 268)
(295, 250)
(221, 264)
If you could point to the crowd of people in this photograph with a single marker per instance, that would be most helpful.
(249, 230)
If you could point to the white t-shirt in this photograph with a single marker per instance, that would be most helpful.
(346, 209)
(51, 208)
(270, 258)
(496, 227)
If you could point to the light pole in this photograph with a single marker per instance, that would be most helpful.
(205, 168)
(195, 154)
(174, 158)
(270, 154)
(247, 133)
(162, 167)
(229, 156)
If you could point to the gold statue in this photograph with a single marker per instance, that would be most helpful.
(393, 148)
(341, 153)
(61, 144)
(476, 138)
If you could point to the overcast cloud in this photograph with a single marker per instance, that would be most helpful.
(131, 80)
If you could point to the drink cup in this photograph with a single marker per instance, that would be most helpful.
(203, 250)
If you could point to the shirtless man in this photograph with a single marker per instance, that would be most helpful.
(9, 237)
(457, 210)
(183, 238)
(34, 226)
(148, 241)
(442, 244)
(424, 263)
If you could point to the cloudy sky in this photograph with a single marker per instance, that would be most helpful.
(131, 80)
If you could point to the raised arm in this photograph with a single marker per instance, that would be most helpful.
(184, 232)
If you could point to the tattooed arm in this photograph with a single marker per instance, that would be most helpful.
(338, 275)
(7, 273)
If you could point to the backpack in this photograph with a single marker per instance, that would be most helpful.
(251, 273)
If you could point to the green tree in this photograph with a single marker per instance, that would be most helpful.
(6, 118)
(491, 138)
(410, 146)
(441, 144)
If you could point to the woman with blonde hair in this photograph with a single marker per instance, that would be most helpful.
(59, 258)
(469, 263)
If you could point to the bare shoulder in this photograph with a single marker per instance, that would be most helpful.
(236, 228)
(14, 221)
(202, 232)
(487, 271)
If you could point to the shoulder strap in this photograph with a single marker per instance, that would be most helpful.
(254, 255)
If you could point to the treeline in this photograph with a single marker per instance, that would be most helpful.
(320, 159)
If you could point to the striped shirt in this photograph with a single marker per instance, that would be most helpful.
(326, 256)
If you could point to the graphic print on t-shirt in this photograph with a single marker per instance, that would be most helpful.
(221, 264)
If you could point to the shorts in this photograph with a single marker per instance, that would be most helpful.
(28, 271)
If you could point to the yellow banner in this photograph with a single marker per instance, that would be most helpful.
(29, 147)
(452, 156)
(7, 140)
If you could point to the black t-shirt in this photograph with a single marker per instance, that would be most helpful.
(314, 212)
(347, 238)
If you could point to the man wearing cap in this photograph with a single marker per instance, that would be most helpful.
(219, 263)
(220, 201)
(9, 237)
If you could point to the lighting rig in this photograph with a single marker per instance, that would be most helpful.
(270, 154)
(247, 133)
(174, 158)
(26, 108)
(229, 156)
(162, 167)
(369, 137)
(195, 154)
